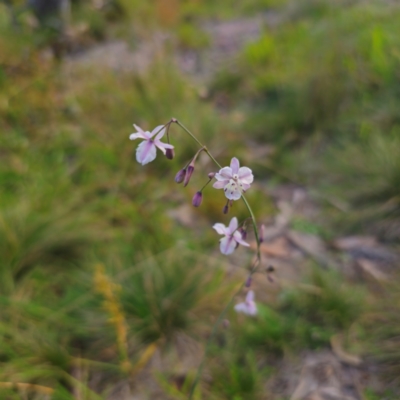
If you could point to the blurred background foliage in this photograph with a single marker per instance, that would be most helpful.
(319, 90)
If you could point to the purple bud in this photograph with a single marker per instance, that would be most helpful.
(226, 323)
(225, 209)
(180, 176)
(211, 175)
(170, 154)
(197, 199)
(243, 232)
(248, 282)
(262, 233)
(270, 271)
(188, 175)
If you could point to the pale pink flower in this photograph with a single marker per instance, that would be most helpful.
(146, 151)
(234, 180)
(232, 236)
(248, 307)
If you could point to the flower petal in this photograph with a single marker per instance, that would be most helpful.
(238, 237)
(246, 175)
(219, 184)
(235, 165)
(162, 146)
(251, 308)
(241, 308)
(250, 296)
(159, 130)
(220, 228)
(146, 134)
(227, 245)
(232, 191)
(245, 186)
(224, 174)
(233, 225)
(248, 307)
(146, 152)
(137, 135)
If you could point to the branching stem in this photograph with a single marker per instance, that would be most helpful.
(253, 268)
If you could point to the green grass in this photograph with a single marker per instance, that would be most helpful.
(305, 316)
(73, 196)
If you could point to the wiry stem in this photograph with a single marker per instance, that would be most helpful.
(197, 141)
(252, 269)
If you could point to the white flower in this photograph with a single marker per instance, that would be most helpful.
(146, 151)
(234, 180)
(232, 236)
(248, 307)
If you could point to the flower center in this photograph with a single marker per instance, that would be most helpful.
(235, 177)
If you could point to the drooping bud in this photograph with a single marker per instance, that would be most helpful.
(226, 324)
(197, 199)
(270, 270)
(189, 173)
(243, 232)
(170, 154)
(180, 176)
(225, 209)
(262, 233)
(211, 175)
(248, 282)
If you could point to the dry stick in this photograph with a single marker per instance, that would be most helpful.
(252, 269)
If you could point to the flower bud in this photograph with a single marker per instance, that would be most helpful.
(225, 209)
(180, 176)
(248, 282)
(225, 323)
(243, 232)
(169, 153)
(189, 173)
(211, 175)
(269, 272)
(197, 199)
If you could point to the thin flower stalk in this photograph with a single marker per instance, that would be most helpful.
(235, 181)
(205, 149)
(253, 268)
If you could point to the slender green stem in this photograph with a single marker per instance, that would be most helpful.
(204, 186)
(253, 220)
(252, 269)
(197, 141)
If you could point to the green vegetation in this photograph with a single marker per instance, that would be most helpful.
(320, 87)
